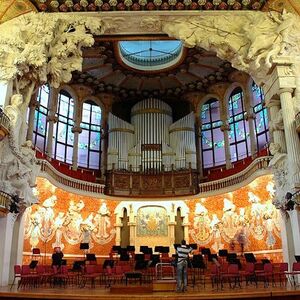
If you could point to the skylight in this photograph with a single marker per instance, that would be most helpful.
(150, 55)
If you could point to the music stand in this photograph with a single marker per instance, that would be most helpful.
(250, 258)
(84, 246)
(130, 248)
(91, 257)
(231, 257)
(116, 248)
(143, 249)
(297, 257)
(205, 251)
(157, 249)
(176, 246)
(223, 253)
(193, 246)
(165, 249)
(33, 264)
(265, 261)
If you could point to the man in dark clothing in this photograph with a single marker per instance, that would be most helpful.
(57, 257)
(183, 252)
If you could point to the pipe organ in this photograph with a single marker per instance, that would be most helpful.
(151, 142)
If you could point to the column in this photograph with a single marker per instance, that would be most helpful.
(225, 128)
(30, 128)
(198, 125)
(250, 118)
(76, 130)
(276, 124)
(186, 226)
(118, 234)
(132, 226)
(104, 144)
(51, 119)
(6, 233)
(291, 135)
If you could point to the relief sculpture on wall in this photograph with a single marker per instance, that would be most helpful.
(45, 222)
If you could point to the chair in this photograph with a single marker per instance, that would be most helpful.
(267, 274)
(249, 273)
(295, 271)
(281, 273)
(214, 275)
(17, 274)
(90, 274)
(232, 273)
(27, 278)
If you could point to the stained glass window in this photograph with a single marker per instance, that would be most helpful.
(261, 117)
(63, 138)
(40, 119)
(90, 138)
(212, 138)
(239, 137)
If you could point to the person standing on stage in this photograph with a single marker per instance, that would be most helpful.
(57, 257)
(183, 252)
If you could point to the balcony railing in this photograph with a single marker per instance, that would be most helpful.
(4, 203)
(65, 181)
(259, 164)
(258, 167)
(4, 124)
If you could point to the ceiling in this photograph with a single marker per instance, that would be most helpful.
(103, 69)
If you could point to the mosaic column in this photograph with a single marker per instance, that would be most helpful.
(104, 144)
(186, 226)
(198, 125)
(51, 119)
(250, 117)
(76, 130)
(118, 234)
(225, 128)
(30, 128)
(291, 135)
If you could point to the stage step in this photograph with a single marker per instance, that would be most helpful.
(131, 289)
(166, 285)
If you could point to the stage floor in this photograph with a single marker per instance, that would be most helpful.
(140, 292)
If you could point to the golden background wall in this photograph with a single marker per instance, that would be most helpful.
(244, 219)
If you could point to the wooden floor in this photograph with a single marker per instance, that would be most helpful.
(143, 292)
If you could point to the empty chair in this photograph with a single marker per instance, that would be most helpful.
(17, 274)
(281, 273)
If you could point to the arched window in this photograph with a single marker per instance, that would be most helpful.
(261, 117)
(89, 139)
(40, 119)
(239, 137)
(212, 138)
(63, 135)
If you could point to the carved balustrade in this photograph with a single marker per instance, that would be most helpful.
(171, 183)
(4, 204)
(75, 184)
(152, 184)
(260, 163)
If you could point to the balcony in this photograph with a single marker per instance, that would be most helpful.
(4, 204)
(4, 125)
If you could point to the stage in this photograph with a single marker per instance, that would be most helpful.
(143, 292)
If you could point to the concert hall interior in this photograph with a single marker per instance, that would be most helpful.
(127, 126)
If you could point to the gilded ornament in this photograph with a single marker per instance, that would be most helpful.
(202, 2)
(187, 2)
(128, 3)
(69, 3)
(113, 2)
(84, 3)
(142, 2)
(230, 2)
(246, 2)
(54, 4)
(157, 2)
(216, 2)
(172, 2)
(98, 2)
